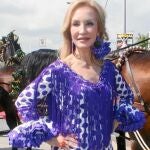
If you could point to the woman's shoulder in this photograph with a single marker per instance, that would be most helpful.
(68, 60)
(109, 65)
(109, 62)
(59, 64)
(53, 67)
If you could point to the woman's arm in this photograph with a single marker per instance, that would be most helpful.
(129, 117)
(28, 99)
(36, 129)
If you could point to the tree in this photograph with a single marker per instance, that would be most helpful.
(142, 37)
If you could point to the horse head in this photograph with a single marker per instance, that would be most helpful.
(10, 50)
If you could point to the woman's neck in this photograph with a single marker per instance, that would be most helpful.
(84, 56)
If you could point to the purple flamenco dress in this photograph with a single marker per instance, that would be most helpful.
(75, 106)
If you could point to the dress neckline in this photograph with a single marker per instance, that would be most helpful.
(80, 76)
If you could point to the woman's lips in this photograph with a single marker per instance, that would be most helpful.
(83, 39)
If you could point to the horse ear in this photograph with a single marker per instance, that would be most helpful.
(16, 38)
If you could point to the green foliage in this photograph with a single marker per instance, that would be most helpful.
(142, 37)
(16, 83)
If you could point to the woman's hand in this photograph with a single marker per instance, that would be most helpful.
(66, 143)
(71, 142)
(116, 124)
(56, 141)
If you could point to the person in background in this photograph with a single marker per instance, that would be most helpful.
(86, 95)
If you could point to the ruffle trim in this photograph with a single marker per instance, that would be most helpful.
(131, 118)
(32, 134)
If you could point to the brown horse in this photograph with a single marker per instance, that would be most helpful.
(134, 64)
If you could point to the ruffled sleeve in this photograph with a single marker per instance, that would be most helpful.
(29, 98)
(130, 117)
(35, 129)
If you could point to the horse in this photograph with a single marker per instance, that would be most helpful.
(134, 62)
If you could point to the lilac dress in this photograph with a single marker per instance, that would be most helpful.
(75, 106)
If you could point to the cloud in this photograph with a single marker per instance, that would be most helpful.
(33, 20)
(42, 19)
(15, 7)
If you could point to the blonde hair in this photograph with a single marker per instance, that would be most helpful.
(66, 48)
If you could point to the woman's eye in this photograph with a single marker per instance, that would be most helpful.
(75, 24)
(90, 23)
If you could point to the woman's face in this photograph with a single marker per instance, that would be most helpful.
(84, 28)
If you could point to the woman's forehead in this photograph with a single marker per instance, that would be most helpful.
(84, 13)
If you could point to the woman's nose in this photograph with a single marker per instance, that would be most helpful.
(82, 29)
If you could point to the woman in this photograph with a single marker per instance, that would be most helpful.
(84, 93)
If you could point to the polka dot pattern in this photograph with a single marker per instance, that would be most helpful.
(76, 106)
(125, 112)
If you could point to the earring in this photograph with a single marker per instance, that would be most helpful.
(100, 48)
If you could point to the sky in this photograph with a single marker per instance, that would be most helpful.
(38, 22)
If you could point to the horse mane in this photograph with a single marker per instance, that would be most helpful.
(34, 62)
(128, 52)
(134, 53)
(11, 37)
